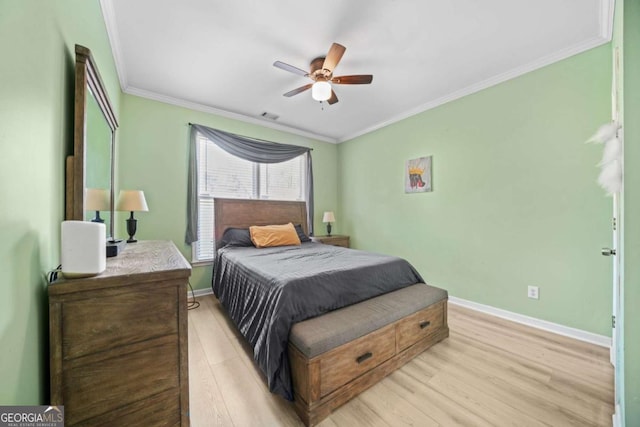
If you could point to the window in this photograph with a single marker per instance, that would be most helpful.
(221, 174)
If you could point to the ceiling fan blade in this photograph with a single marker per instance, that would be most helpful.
(360, 79)
(333, 98)
(333, 57)
(298, 90)
(291, 69)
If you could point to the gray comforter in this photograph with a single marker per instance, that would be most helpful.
(266, 291)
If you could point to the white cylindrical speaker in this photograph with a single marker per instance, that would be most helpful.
(83, 249)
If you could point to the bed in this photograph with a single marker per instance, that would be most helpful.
(324, 322)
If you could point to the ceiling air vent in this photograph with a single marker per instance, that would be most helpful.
(269, 116)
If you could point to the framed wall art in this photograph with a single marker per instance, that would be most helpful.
(418, 175)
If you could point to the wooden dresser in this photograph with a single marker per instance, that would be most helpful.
(118, 340)
(334, 239)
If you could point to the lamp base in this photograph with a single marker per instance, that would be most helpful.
(114, 247)
(97, 218)
(132, 225)
(328, 229)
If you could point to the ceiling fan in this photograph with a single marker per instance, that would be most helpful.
(321, 72)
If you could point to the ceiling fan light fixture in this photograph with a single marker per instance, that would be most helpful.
(321, 91)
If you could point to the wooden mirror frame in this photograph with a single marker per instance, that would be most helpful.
(87, 78)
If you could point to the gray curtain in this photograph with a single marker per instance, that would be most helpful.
(192, 192)
(251, 149)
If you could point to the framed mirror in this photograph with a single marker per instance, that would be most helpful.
(89, 189)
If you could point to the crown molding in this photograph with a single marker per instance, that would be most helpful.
(225, 113)
(607, 9)
(108, 14)
(605, 36)
(511, 74)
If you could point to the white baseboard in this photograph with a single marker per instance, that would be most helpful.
(556, 328)
(200, 292)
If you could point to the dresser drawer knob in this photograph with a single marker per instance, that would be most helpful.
(424, 324)
(364, 357)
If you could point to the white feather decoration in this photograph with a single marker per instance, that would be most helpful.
(612, 151)
(605, 133)
(610, 177)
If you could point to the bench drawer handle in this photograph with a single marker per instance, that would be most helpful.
(424, 324)
(364, 357)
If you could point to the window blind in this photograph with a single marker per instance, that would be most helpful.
(221, 174)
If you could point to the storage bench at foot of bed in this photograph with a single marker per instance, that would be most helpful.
(336, 356)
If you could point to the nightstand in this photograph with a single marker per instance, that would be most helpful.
(335, 240)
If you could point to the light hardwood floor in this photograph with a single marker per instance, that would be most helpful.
(489, 372)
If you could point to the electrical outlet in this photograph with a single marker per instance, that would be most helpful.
(532, 292)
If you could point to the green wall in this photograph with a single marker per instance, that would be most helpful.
(37, 41)
(153, 156)
(631, 270)
(515, 202)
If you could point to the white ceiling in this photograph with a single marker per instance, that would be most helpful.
(217, 56)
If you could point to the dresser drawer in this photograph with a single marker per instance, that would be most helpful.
(344, 363)
(162, 409)
(419, 325)
(140, 314)
(101, 383)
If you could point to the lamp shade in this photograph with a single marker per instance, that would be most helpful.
(328, 217)
(132, 200)
(321, 91)
(96, 199)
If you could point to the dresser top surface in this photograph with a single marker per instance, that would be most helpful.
(151, 258)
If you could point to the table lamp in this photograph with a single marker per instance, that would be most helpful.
(328, 217)
(132, 201)
(96, 199)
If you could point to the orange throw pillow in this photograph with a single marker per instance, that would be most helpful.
(274, 235)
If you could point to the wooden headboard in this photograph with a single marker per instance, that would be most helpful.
(242, 213)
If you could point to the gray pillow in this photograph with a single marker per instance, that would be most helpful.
(235, 237)
(303, 237)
